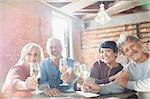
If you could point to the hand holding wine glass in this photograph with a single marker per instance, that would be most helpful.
(30, 83)
(77, 71)
(63, 67)
(86, 77)
(82, 73)
(34, 70)
(35, 74)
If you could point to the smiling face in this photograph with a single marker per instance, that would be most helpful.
(107, 55)
(132, 50)
(54, 48)
(33, 55)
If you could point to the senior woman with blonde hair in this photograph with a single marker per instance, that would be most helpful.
(18, 81)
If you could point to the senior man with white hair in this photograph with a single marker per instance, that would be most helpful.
(135, 76)
(51, 76)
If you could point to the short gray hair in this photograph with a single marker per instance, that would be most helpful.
(50, 40)
(131, 38)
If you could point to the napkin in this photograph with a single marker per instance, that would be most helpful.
(87, 94)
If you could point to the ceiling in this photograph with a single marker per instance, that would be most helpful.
(87, 9)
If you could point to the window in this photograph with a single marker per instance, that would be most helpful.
(60, 30)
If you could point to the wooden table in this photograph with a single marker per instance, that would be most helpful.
(74, 96)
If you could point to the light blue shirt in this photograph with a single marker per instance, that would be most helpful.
(139, 80)
(50, 75)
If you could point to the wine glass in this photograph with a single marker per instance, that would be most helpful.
(82, 74)
(35, 72)
(63, 66)
(81, 70)
(77, 69)
(85, 72)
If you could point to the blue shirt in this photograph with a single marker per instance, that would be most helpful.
(50, 75)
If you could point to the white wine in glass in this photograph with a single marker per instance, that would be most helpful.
(63, 66)
(35, 72)
(77, 69)
(82, 73)
(85, 72)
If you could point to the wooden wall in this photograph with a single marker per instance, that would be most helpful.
(91, 39)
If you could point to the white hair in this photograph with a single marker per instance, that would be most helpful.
(49, 42)
(26, 49)
(126, 37)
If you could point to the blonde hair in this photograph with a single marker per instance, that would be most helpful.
(25, 51)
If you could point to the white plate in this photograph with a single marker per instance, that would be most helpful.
(87, 94)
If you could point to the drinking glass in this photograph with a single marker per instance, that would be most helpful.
(77, 69)
(63, 66)
(85, 72)
(82, 73)
(35, 72)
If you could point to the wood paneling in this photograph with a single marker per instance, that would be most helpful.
(91, 39)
